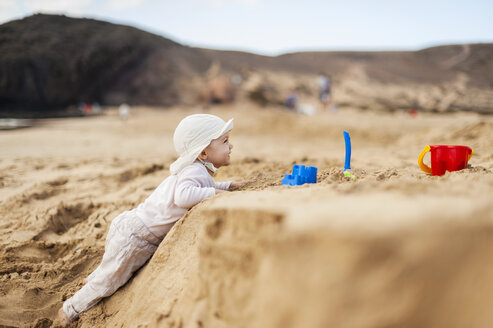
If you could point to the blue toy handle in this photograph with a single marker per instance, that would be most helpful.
(347, 140)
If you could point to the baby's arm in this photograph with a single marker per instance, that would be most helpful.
(189, 192)
(231, 185)
(222, 185)
(235, 185)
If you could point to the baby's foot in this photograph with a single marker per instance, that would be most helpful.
(63, 317)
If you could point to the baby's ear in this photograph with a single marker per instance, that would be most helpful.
(203, 155)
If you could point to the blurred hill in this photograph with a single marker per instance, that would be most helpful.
(49, 63)
(445, 78)
(431, 65)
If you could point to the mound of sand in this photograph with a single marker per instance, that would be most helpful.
(391, 248)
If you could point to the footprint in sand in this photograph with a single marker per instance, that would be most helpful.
(64, 217)
(46, 190)
(133, 173)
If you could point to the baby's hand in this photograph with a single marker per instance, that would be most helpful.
(235, 185)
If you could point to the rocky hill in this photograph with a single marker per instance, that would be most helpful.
(431, 65)
(445, 78)
(49, 63)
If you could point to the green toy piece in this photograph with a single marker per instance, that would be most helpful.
(349, 175)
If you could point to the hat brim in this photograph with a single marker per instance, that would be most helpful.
(189, 158)
(227, 127)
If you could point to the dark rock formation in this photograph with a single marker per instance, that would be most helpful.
(50, 62)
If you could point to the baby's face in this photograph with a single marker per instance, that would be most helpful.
(219, 150)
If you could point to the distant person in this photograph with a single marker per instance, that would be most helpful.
(80, 108)
(324, 90)
(124, 111)
(87, 109)
(202, 141)
(291, 100)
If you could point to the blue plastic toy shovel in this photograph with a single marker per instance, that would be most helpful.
(347, 162)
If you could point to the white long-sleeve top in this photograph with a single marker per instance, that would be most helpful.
(175, 195)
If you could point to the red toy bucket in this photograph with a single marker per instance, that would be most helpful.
(445, 158)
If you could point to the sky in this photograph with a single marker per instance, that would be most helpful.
(272, 27)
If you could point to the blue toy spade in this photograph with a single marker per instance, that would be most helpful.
(347, 162)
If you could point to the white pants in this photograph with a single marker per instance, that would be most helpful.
(129, 244)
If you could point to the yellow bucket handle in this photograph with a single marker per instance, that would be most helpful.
(422, 165)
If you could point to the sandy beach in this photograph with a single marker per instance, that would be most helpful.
(393, 247)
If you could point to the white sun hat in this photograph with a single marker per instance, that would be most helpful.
(193, 134)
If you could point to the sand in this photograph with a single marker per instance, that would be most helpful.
(392, 248)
